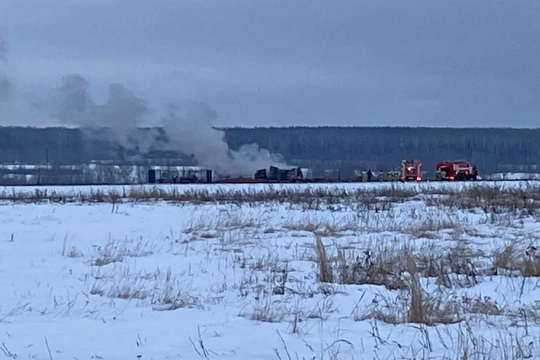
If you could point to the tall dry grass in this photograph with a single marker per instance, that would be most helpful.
(524, 200)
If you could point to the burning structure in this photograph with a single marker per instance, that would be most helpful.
(277, 174)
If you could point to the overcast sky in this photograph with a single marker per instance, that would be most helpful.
(260, 63)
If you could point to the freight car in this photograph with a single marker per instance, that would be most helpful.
(179, 175)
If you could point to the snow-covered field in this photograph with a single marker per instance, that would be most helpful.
(344, 271)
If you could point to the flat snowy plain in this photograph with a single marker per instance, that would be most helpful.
(283, 272)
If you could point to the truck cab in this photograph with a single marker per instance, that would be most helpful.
(456, 170)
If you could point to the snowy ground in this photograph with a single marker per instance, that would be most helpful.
(418, 271)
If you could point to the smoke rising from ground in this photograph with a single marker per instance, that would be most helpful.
(193, 133)
(189, 131)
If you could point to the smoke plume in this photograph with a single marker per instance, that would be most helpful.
(3, 50)
(193, 133)
(123, 112)
(188, 131)
(5, 85)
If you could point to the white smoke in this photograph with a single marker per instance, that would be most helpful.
(5, 85)
(189, 132)
(123, 112)
(3, 49)
(15, 104)
(193, 133)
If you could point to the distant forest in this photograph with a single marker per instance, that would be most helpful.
(344, 148)
(348, 148)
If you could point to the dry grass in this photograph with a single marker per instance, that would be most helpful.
(325, 274)
(502, 205)
(169, 294)
(513, 259)
(530, 267)
(406, 270)
(501, 346)
(116, 250)
(382, 266)
(504, 259)
(429, 227)
(416, 313)
(492, 199)
(162, 290)
(268, 313)
(385, 263)
(415, 306)
(309, 197)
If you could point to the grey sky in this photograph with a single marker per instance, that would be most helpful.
(259, 63)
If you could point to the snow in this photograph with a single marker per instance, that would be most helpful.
(93, 281)
(515, 176)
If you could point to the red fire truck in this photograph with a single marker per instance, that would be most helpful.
(456, 170)
(411, 170)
